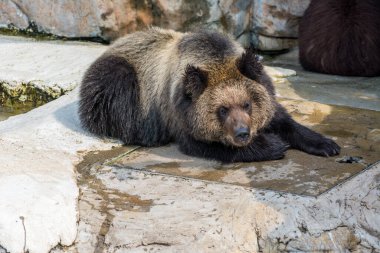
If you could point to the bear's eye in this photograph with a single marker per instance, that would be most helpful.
(247, 106)
(223, 111)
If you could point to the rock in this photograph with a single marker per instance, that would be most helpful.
(70, 19)
(11, 15)
(266, 43)
(138, 211)
(232, 16)
(279, 72)
(275, 18)
(273, 23)
(35, 72)
(179, 15)
(102, 18)
(38, 190)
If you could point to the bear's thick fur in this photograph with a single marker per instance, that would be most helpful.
(341, 37)
(201, 90)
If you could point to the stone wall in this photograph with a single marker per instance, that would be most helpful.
(269, 24)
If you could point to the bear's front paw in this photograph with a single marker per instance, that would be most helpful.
(269, 147)
(276, 149)
(321, 146)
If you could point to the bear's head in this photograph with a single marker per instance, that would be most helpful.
(224, 102)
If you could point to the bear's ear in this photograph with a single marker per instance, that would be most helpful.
(249, 64)
(194, 82)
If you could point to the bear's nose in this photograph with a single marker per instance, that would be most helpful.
(242, 134)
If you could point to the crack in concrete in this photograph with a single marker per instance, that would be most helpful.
(156, 243)
(23, 225)
(104, 229)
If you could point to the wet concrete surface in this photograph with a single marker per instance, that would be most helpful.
(357, 131)
(98, 203)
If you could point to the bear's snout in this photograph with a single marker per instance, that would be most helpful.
(242, 134)
(238, 126)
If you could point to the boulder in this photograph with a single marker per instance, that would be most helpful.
(11, 15)
(272, 23)
(278, 18)
(275, 23)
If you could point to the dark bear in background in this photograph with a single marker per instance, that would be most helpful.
(341, 37)
(201, 90)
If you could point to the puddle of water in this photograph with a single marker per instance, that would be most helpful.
(87, 176)
(356, 130)
(6, 112)
(23, 98)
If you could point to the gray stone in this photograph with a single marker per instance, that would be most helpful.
(12, 15)
(35, 72)
(232, 16)
(274, 18)
(63, 18)
(94, 18)
(275, 23)
(102, 18)
(266, 43)
(271, 22)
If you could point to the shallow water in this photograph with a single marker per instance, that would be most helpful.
(6, 112)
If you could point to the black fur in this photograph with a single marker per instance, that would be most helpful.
(300, 137)
(341, 37)
(109, 96)
(250, 66)
(109, 102)
(264, 147)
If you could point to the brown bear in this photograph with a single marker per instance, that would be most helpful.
(341, 37)
(201, 90)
